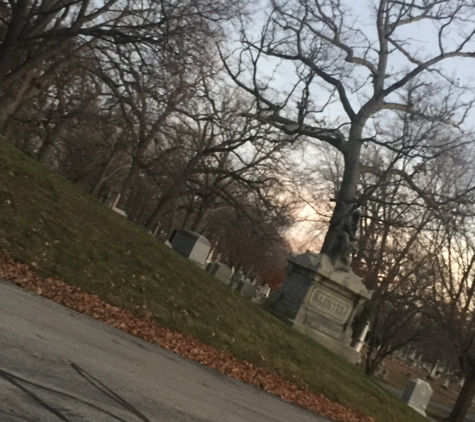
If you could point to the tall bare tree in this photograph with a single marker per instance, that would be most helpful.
(339, 77)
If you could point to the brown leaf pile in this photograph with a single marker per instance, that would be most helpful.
(184, 345)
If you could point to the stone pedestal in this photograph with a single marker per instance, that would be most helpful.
(320, 300)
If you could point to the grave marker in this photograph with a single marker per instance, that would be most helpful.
(417, 395)
(192, 245)
(221, 271)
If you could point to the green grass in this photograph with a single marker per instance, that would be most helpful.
(48, 222)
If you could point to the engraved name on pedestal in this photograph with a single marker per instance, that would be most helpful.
(331, 304)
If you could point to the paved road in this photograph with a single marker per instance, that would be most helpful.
(58, 365)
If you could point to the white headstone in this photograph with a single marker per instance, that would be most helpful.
(433, 371)
(417, 395)
(220, 271)
(192, 245)
(119, 211)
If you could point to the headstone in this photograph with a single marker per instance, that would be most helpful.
(448, 370)
(320, 299)
(247, 289)
(221, 271)
(238, 276)
(116, 201)
(417, 395)
(264, 290)
(446, 383)
(192, 245)
(262, 293)
(119, 211)
(383, 373)
(397, 354)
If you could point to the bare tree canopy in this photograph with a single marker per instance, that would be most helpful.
(324, 70)
(37, 37)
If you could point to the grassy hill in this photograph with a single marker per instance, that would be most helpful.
(49, 223)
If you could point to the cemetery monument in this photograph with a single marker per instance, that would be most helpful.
(192, 245)
(321, 295)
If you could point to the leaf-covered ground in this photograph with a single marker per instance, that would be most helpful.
(185, 345)
(117, 272)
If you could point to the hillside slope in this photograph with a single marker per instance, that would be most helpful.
(61, 232)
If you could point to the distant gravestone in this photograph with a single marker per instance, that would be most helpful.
(247, 289)
(433, 371)
(417, 395)
(221, 271)
(119, 211)
(262, 293)
(192, 245)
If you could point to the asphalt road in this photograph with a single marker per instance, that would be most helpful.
(58, 365)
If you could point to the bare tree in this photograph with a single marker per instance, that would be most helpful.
(249, 237)
(35, 35)
(339, 78)
(396, 242)
(218, 148)
(454, 298)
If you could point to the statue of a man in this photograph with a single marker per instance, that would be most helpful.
(345, 241)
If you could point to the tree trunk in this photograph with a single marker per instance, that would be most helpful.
(48, 142)
(463, 400)
(374, 358)
(127, 186)
(172, 192)
(12, 99)
(200, 220)
(162, 203)
(44, 150)
(185, 225)
(103, 176)
(345, 199)
(171, 226)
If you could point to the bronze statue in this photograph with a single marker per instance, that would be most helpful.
(346, 237)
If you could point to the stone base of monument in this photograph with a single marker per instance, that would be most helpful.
(343, 350)
(320, 300)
